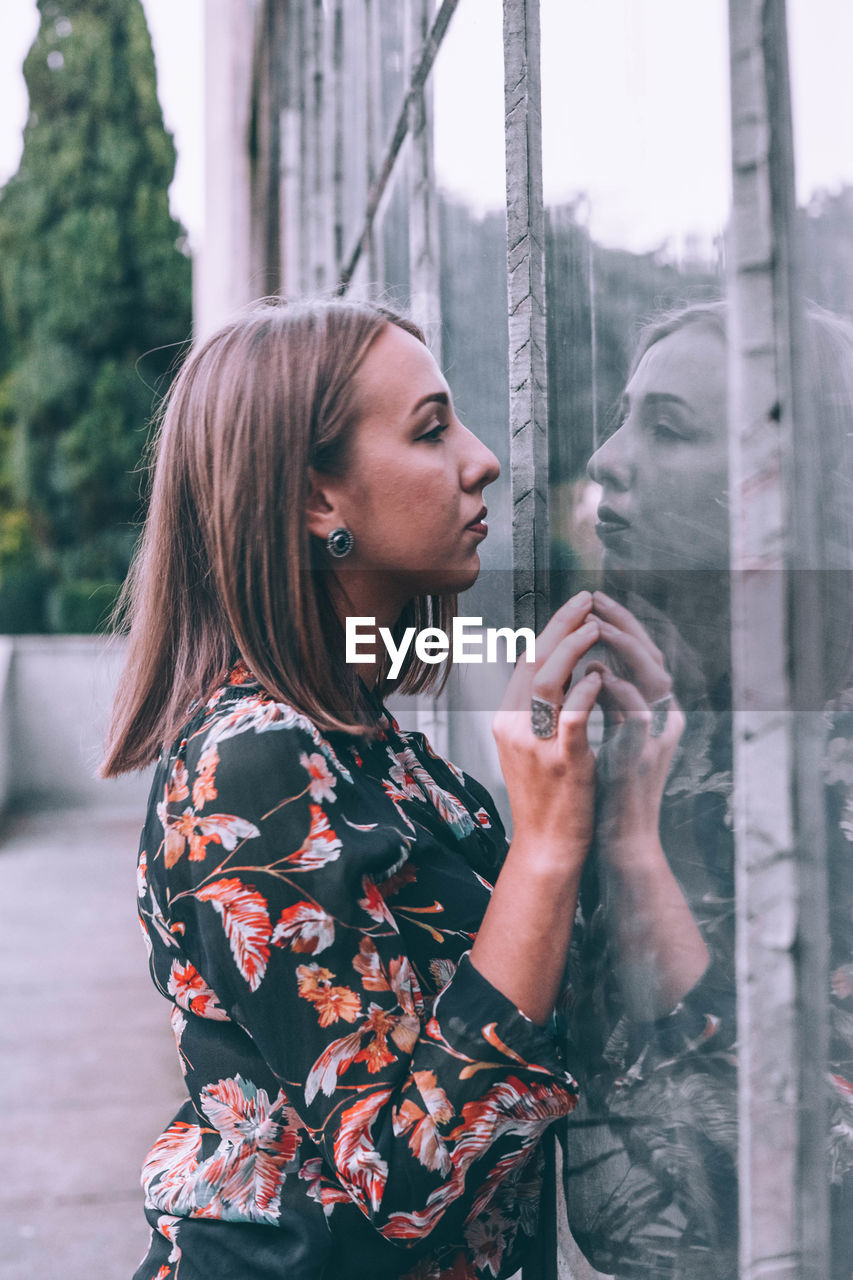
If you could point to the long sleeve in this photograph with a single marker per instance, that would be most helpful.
(310, 901)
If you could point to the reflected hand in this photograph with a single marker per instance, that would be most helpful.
(639, 740)
(661, 950)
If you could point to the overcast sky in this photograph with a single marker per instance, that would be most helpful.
(635, 98)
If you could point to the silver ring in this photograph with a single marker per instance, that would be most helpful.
(543, 718)
(660, 715)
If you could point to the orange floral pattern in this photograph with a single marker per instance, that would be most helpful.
(344, 1061)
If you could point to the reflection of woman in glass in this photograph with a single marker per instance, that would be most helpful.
(650, 1154)
(361, 1018)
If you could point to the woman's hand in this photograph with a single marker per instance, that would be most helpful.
(523, 939)
(551, 781)
(661, 952)
(634, 760)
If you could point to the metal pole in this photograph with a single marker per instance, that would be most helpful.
(265, 151)
(782, 921)
(302, 63)
(292, 198)
(424, 276)
(339, 90)
(320, 185)
(423, 202)
(373, 88)
(528, 404)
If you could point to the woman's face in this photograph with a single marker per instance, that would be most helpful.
(664, 470)
(412, 491)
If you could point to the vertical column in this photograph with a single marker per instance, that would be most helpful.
(292, 198)
(264, 145)
(373, 40)
(779, 823)
(318, 167)
(298, 151)
(339, 92)
(528, 399)
(424, 278)
(423, 201)
(222, 271)
(528, 408)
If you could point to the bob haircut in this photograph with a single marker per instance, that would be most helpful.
(226, 568)
(828, 370)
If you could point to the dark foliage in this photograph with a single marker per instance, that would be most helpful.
(94, 295)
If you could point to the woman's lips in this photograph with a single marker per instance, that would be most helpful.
(610, 525)
(478, 524)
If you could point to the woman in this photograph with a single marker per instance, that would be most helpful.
(650, 1152)
(361, 974)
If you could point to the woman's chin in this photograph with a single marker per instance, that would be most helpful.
(448, 582)
(618, 559)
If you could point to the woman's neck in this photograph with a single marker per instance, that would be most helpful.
(358, 594)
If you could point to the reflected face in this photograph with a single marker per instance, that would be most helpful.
(664, 470)
(412, 492)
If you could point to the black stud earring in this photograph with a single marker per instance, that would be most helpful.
(340, 542)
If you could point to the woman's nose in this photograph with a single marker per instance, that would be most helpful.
(611, 465)
(480, 466)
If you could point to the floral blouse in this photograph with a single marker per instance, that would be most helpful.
(361, 1101)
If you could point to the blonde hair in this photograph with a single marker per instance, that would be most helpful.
(226, 566)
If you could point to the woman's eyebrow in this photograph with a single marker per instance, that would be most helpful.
(434, 397)
(655, 398)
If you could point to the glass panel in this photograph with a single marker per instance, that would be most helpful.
(352, 85)
(372, 64)
(370, 94)
(379, 51)
(469, 162)
(636, 161)
(820, 35)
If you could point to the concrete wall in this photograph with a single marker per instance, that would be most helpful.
(55, 699)
(54, 705)
(222, 272)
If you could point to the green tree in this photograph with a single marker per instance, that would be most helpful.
(94, 296)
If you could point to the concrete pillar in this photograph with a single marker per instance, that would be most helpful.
(222, 282)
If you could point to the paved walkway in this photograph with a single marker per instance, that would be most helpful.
(88, 1069)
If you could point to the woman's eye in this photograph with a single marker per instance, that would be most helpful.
(435, 433)
(664, 431)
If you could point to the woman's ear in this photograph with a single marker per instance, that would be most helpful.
(321, 505)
